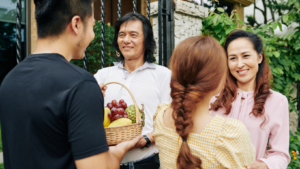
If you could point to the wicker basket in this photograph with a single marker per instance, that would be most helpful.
(116, 135)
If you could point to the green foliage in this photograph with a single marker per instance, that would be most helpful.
(1, 166)
(294, 150)
(94, 49)
(282, 52)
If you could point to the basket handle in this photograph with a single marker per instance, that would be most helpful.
(138, 116)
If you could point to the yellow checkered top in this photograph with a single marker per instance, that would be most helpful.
(223, 143)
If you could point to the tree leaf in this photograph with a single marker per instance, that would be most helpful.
(244, 28)
(222, 40)
(279, 70)
(280, 26)
(215, 20)
(277, 86)
(292, 91)
(212, 12)
(227, 31)
(274, 25)
(220, 9)
(285, 18)
(276, 54)
(296, 76)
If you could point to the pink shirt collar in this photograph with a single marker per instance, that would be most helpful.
(245, 95)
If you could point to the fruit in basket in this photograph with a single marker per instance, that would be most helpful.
(120, 122)
(132, 114)
(113, 111)
(116, 117)
(120, 111)
(114, 102)
(109, 105)
(109, 115)
(121, 101)
(124, 105)
(117, 105)
(106, 120)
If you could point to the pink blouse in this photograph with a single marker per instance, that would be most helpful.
(276, 130)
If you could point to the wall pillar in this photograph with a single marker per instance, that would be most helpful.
(294, 115)
(188, 21)
(240, 11)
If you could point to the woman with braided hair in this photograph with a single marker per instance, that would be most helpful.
(185, 133)
(247, 97)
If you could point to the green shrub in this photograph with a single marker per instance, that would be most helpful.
(94, 49)
(295, 150)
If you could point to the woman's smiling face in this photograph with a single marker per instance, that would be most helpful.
(243, 61)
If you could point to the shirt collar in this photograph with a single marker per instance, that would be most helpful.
(244, 94)
(146, 65)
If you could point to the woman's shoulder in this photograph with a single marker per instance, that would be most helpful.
(232, 128)
(234, 148)
(276, 96)
(160, 110)
(233, 133)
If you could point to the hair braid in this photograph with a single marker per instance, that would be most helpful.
(182, 116)
(192, 79)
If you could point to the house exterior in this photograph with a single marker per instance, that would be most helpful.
(8, 21)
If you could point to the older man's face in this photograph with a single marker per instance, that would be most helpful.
(131, 40)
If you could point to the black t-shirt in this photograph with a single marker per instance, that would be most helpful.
(51, 114)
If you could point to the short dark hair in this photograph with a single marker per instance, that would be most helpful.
(52, 16)
(149, 42)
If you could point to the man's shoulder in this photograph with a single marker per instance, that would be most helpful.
(162, 70)
(53, 67)
(105, 71)
(81, 73)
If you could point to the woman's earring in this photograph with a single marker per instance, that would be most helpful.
(117, 53)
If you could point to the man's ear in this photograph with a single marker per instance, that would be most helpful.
(76, 24)
(260, 57)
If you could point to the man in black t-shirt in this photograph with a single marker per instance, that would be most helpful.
(51, 111)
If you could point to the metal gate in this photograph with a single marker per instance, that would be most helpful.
(166, 29)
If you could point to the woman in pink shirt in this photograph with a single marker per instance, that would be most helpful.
(247, 97)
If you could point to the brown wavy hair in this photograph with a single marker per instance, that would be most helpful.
(262, 86)
(198, 65)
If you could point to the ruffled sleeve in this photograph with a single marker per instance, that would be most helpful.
(160, 108)
(234, 148)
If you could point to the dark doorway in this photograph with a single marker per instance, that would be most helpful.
(8, 13)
